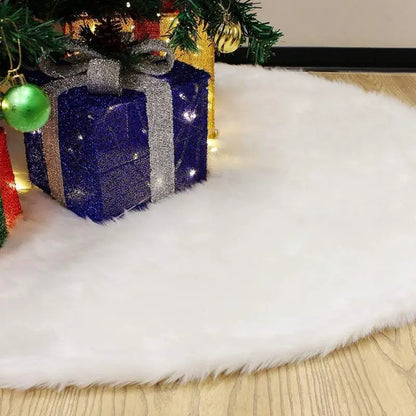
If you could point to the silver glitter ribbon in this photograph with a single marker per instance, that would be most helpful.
(104, 76)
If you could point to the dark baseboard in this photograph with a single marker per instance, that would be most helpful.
(335, 59)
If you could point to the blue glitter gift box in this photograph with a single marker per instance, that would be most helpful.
(102, 160)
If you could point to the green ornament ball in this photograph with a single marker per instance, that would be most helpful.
(26, 107)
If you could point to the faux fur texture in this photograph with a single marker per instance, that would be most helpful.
(302, 240)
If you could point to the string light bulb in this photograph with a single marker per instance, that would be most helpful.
(189, 116)
(213, 145)
(23, 183)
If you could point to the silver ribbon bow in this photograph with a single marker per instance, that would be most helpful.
(104, 76)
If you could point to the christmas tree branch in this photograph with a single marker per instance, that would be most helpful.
(36, 38)
(260, 36)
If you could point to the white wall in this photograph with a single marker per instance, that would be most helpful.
(348, 23)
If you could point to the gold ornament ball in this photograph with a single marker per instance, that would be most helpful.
(228, 37)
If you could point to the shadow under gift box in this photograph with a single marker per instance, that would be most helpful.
(104, 146)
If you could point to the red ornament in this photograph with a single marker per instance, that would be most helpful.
(168, 7)
(146, 29)
(151, 29)
(8, 192)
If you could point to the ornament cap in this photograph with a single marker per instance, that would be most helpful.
(16, 79)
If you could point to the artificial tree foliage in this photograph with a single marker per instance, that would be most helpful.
(260, 36)
(37, 38)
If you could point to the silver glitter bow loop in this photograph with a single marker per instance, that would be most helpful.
(77, 64)
(154, 65)
(103, 74)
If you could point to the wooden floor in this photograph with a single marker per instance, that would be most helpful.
(376, 376)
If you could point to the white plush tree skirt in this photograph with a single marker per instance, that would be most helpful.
(302, 240)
